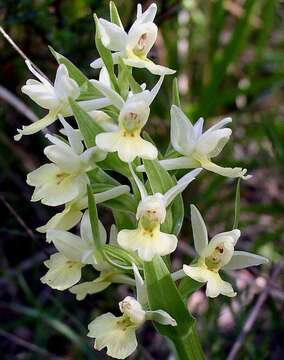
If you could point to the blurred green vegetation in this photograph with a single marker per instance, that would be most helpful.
(229, 60)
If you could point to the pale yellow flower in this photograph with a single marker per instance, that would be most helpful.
(218, 254)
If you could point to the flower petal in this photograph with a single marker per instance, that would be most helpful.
(64, 220)
(224, 171)
(113, 36)
(180, 186)
(62, 273)
(217, 286)
(112, 95)
(200, 234)
(212, 143)
(70, 245)
(89, 288)
(183, 162)
(243, 259)
(182, 132)
(37, 125)
(196, 272)
(147, 245)
(64, 86)
(74, 137)
(120, 342)
(149, 65)
(63, 157)
(161, 316)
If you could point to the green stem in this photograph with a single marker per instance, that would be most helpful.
(188, 347)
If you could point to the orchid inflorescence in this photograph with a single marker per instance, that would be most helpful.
(110, 114)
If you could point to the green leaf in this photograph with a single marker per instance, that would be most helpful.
(73, 71)
(123, 79)
(112, 162)
(97, 175)
(106, 56)
(237, 205)
(114, 15)
(221, 63)
(163, 294)
(87, 89)
(188, 286)
(175, 93)
(124, 258)
(94, 220)
(125, 202)
(124, 220)
(89, 129)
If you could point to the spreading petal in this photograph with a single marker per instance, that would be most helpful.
(224, 171)
(113, 36)
(37, 125)
(200, 234)
(182, 132)
(147, 245)
(63, 272)
(180, 186)
(243, 259)
(89, 288)
(149, 65)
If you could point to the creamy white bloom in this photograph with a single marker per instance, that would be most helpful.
(74, 252)
(72, 213)
(64, 179)
(134, 113)
(197, 147)
(117, 334)
(147, 239)
(133, 47)
(216, 255)
(54, 98)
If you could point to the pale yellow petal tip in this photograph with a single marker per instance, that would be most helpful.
(18, 136)
(244, 176)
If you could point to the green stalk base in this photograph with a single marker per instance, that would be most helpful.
(188, 347)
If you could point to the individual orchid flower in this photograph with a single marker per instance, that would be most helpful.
(133, 47)
(74, 252)
(147, 239)
(72, 213)
(64, 179)
(54, 98)
(216, 255)
(118, 334)
(198, 148)
(134, 113)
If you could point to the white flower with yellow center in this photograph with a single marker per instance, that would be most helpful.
(118, 334)
(218, 254)
(72, 213)
(64, 179)
(133, 47)
(198, 148)
(74, 252)
(134, 113)
(54, 98)
(147, 239)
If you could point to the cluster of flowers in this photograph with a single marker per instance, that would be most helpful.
(121, 115)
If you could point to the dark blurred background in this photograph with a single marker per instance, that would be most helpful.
(229, 60)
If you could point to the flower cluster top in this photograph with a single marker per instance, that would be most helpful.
(110, 115)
